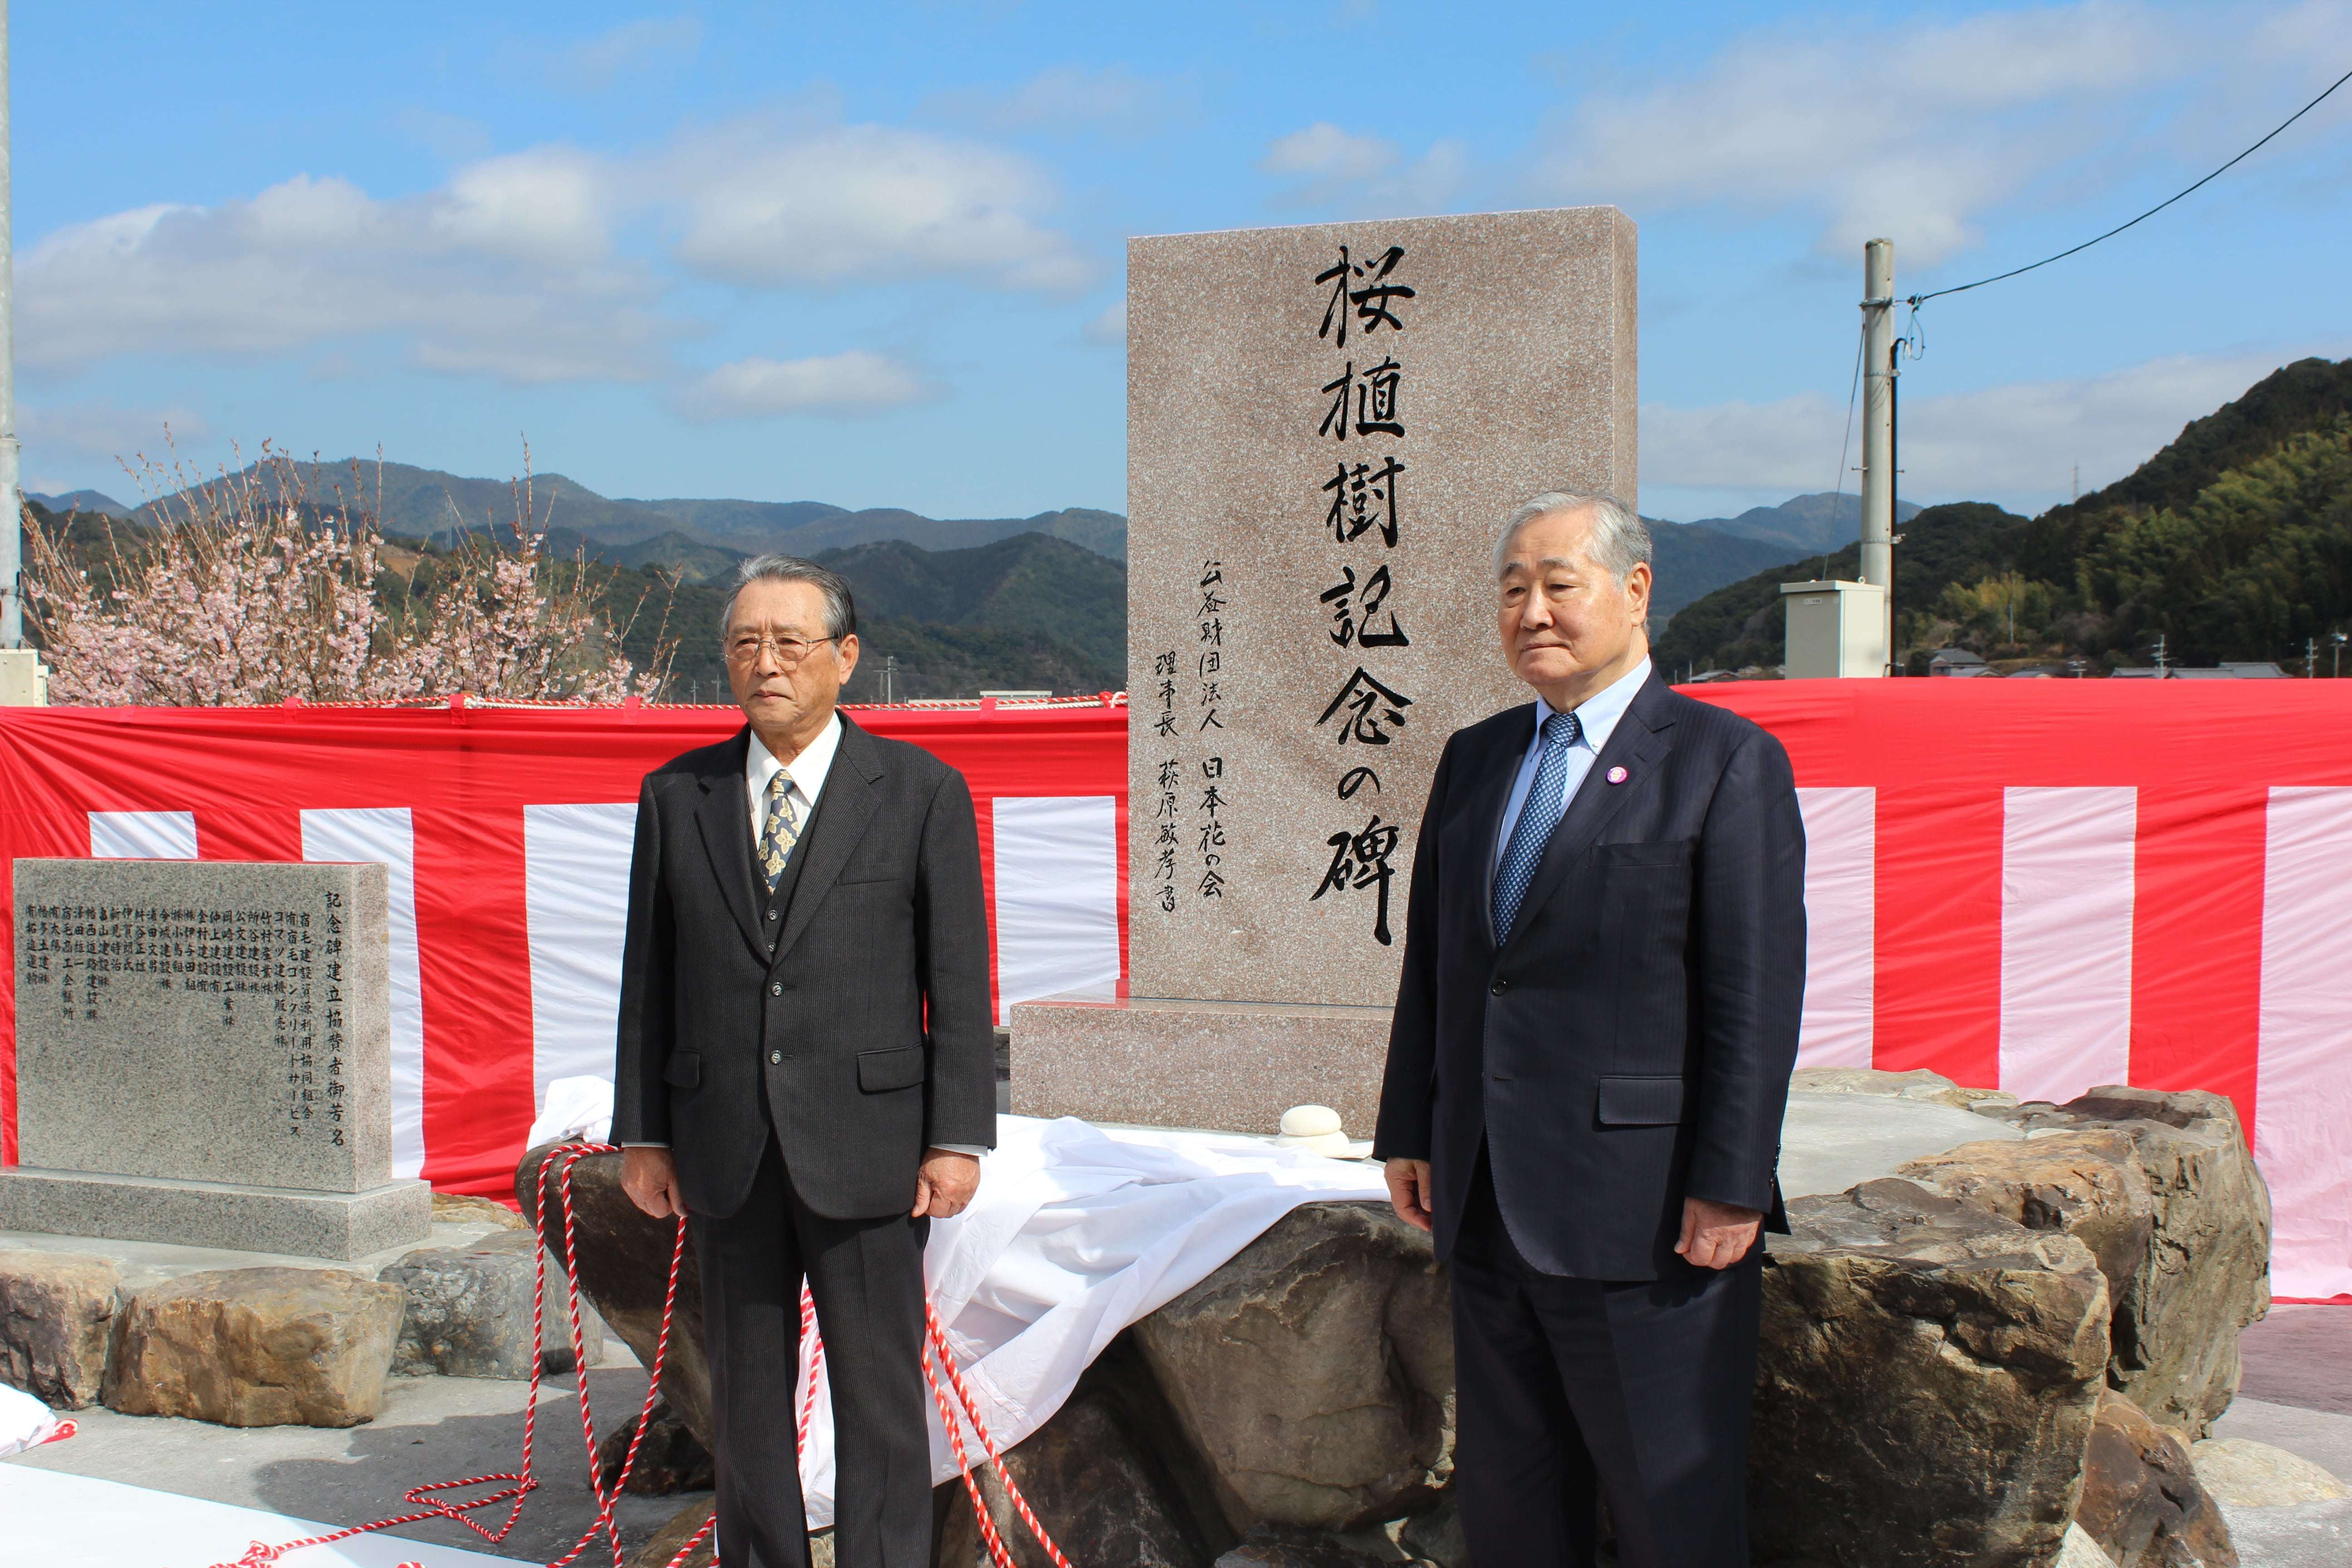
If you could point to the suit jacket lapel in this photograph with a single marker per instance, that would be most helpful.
(848, 806)
(725, 818)
(1640, 739)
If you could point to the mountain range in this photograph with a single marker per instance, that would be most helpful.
(964, 604)
(2234, 542)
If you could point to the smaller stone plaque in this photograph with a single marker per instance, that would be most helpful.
(204, 1021)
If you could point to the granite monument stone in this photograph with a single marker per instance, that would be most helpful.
(1326, 427)
(204, 1055)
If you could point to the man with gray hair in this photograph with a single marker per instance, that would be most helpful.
(1604, 965)
(805, 1064)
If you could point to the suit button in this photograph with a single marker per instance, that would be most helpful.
(775, 990)
(772, 914)
(775, 1059)
(1499, 987)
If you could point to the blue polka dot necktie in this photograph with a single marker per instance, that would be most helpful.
(1546, 804)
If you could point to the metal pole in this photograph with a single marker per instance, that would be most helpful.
(1878, 426)
(12, 564)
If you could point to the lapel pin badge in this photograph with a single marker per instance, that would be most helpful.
(1616, 776)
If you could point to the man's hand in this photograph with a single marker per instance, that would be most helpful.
(944, 1184)
(1411, 1191)
(650, 1178)
(1716, 1236)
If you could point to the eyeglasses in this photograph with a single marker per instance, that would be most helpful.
(744, 647)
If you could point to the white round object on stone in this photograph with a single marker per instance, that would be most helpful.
(1310, 1121)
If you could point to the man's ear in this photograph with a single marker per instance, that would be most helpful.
(1637, 592)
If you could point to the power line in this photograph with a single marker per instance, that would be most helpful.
(1918, 299)
(1845, 441)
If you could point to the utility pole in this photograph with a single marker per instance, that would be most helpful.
(2337, 639)
(2310, 657)
(891, 678)
(12, 505)
(2160, 656)
(1878, 427)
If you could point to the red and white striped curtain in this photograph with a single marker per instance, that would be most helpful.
(507, 836)
(2041, 886)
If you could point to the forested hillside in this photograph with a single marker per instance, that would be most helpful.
(2233, 543)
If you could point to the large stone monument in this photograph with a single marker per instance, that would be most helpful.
(1326, 427)
(204, 1055)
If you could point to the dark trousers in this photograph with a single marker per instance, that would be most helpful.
(1569, 1389)
(866, 1275)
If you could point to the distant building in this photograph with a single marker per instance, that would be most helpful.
(2231, 669)
(1957, 661)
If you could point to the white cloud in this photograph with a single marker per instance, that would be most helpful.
(1917, 130)
(1327, 165)
(1110, 326)
(769, 206)
(94, 440)
(857, 382)
(650, 43)
(2016, 444)
(505, 273)
(510, 269)
(1066, 101)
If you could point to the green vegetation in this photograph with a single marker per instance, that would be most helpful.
(2234, 542)
(1030, 613)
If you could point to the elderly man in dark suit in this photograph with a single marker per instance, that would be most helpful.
(1604, 965)
(806, 1063)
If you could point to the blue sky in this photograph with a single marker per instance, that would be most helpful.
(872, 254)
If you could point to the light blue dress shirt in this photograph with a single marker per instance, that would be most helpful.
(1597, 717)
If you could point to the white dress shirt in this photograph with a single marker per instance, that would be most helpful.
(1597, 717)
(808, 771)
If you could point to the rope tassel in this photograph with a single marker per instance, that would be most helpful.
(523, 1481)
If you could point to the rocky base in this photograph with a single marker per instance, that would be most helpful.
(56, 1315)
(256, 1347)
(1941, 1352)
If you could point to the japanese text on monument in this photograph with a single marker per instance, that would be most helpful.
(1362, 296)
(278, 972)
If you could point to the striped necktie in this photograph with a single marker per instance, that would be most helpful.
(1546, 804)
(783, 829)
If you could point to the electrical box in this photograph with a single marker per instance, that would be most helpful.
(1836, 629)
(24, 679)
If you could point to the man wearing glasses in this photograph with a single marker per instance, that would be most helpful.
(805, 1065)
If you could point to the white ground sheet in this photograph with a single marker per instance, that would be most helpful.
(1077, 1232)
(51, 1520)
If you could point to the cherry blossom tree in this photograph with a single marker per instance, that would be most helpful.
(248, 588)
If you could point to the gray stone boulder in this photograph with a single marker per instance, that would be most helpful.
(256, 1347)
(671, 1459)
(1314, 1372)
(1275, 1546)
(2207, 1271)
(468, 1310)
(1100, 1492)
(2086, 1182)
(671, 1539)
(2246, 1474)
(1918, 1084)
(1928, 1379)
(57, 1312)
(2141, 1500)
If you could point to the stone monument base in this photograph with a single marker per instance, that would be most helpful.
(216, 1213)
(1171, 1062)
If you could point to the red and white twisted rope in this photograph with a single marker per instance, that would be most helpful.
(260, 1554)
